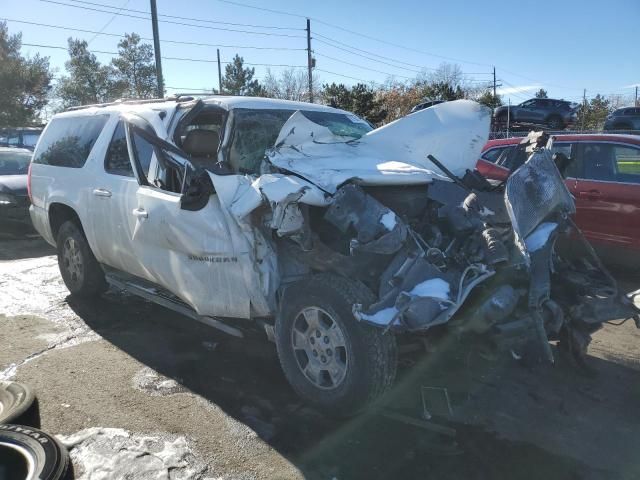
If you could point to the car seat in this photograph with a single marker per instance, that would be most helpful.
(202, 146)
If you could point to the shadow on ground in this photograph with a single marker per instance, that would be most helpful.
(244, 378)
(20, 241)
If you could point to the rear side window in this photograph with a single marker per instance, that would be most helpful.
(68, 141)
(492, 154)
(117, 160)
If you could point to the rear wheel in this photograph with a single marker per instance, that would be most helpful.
(80, 270)
(330, 359)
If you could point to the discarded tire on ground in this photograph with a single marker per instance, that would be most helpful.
(333, 361)
(15, 400)
(27, 453)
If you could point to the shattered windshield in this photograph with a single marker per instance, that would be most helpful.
(254, 131)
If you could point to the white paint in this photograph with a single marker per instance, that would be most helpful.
(434, 288)
(540, 236)
(453, 132)
(111, 453)
(389, 220)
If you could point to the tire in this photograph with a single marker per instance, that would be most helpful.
(555, 123)
(21, 446)
(80, 270)
(359, 371)
(15, 401)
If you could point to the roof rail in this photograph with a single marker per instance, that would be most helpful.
(132, 101)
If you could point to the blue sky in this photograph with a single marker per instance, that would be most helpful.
(562, 46)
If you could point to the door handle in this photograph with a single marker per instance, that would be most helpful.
(102, 192)
(590, 194)
(140, 213)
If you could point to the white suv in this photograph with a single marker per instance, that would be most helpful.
(300, 219)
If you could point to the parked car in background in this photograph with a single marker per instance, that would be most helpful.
(604, 178)
(14, 202)
(544, 112)
(623, 119)
(21, 137)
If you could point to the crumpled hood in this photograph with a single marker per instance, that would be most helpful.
(396, 154)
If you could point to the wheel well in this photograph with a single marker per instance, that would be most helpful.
(60, 213)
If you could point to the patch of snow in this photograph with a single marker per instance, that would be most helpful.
(153, 383)
(110, 453)
(540, 236)
(388, 220)
(485, 212)
(382, 317)
(434, 287)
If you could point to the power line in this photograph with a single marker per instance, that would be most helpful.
(360, 66)
(345, 76)
(353, 32)
(182, 59)
(367, 52)
(185, 18)
(108, 23)
(180, 42)
(174, 22)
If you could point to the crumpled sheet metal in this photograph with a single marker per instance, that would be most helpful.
(395, 154)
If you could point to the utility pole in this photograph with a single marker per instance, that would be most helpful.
(219, 74)
(636, 102)
(508, 116)
(584, 107)
(494, 84)
(156, 48)
(309, 61)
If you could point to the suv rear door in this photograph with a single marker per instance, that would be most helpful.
(608, 193)
(112, 199)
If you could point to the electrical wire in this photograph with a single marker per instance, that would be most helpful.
(174, 22)
(108, 23)
(345, 76)
(180, 42)
(360, 66)
(186, 18)
(182, 59)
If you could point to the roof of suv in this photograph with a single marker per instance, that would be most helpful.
(226, 102)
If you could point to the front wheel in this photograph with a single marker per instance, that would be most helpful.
(80, 270)
(330, 359)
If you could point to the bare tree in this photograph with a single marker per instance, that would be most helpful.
(291, 84)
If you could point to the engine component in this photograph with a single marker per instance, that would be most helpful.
(495, 251)
(377, 229)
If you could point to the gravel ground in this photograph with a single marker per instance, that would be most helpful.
(118, 375)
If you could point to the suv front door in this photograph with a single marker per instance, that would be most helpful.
(187, 249)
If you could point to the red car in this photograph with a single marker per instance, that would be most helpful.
(604, 178)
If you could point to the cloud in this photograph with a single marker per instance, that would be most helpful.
(518, 89)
